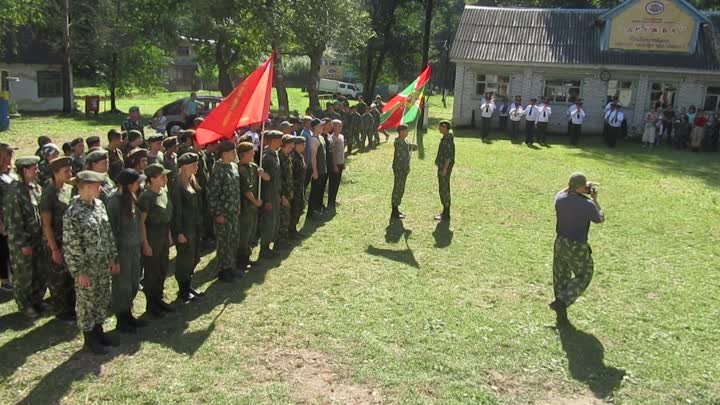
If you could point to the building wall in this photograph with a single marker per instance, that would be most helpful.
(529, 82)
(25, 92)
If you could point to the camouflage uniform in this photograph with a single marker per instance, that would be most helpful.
(78, 163)
(249, 212)
(116, 162)
(205, 166)
(22, 223)
(367, 122)
(55, 202)
(354, 130)
(45, 174)
(89, 250)
(107, 188)
(401, 169)
(183, 149)
(376, 122)
(286, 190)
(158, 208)
(128, 125)
(446, 151)
(170, 163)
(269, 221)
(128, 241)
(299, 172)
(224, 200)
(571, 257)
(187, 220)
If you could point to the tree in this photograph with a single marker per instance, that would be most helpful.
(17, 13)
(320, 24)
(279, 33)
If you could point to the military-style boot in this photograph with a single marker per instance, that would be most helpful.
(560, 309)
(123, 324)
(165, 306)
(138, 323)
(103, 338)
(92, 344)
(225, 275)
(446, 213)
(266, 253)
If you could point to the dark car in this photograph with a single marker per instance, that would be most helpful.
(171, 114)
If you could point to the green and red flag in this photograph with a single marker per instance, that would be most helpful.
(405, 107)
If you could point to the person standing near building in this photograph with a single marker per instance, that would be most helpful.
(503, 109)
(445, 161)
(55, 199)
(401, 169)
(614, 120)
(487, 109)
(92, 258)
(651, 121)
(133, 122)
(577, 117)
(516, 113)
(542, 121)
(24, 228)
(531, 115)
(155, 209)
(224, 202)
(698, 130)
(572, 258)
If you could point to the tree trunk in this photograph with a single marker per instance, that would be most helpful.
(67, 82)
(282, 95)
(368, 83)
(314, 78)
(378, 68)
(113, 81)
(225, 84)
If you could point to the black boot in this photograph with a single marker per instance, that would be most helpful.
(196, 293)
(154, 310)
(225, 275)
(92, 344)
(446, 214)
(266, 253)
(184, 293)
(138, 323)
(396, 213)
(165, 306)
(103, 338)
(560, 309)
(123, 324)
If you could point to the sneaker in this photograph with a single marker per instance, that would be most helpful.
(7, 286)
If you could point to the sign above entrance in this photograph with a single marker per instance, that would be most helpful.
(669, 26)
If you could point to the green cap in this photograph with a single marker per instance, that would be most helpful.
(445, 123)
(244, 147)
(187, 158)
(286, 139)
(156, 169)
(273, 134)
(59, 162)
(138, 153)
(298, 139)
(90, 176)
(225, 146)
(577, 180)
(155, 138)
(96, 155)
(26, 161)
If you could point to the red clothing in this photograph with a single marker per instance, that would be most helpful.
(700, 121)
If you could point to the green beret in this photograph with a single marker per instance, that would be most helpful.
(445, 123)
(273, 135)
(286, 139)
(402, 127)
(138, 153)
(59, 162)
(187, 158)
(225, 146)
(155, 138)
(156, 169)
(244, 147)
(169, 142)
(298, 139)
(90, 176)
(26, 161)
(92, 140)
(96, 155)
(76, 141)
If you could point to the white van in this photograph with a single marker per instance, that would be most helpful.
(336, 87)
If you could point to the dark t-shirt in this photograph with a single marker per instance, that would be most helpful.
(56, 203)
(157, 207)
(574, 213)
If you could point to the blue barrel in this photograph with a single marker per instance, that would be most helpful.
(4, 111)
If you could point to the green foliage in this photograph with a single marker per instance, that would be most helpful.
(16, 13)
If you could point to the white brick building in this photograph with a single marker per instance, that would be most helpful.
(591, 54)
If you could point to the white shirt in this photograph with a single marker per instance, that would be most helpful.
(516, 112)
(545, 112)
(577, 115)
(503, 109)
(255, 139)
(614, 118)
(608, 107)
(487, 108)
(531, 112)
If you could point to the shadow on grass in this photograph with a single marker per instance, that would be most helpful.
(443, 234)
(585, 356)
(393, 233)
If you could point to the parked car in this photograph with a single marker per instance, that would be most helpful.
(170, 115)
(339, 88)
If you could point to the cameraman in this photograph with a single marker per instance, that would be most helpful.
(572, 254)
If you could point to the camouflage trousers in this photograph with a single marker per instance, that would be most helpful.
(399, 187)
(284, 218)
(61, 285)
(126, 285)
(297, 207)
(572, 269)
(227, 242)
(93, 302)
(29, 275)
(444, 188)
(248, 231)
(270, 222)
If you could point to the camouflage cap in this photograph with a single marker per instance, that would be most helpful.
(48, 149)
(187, 158)
(96, 156)
(273, 135)
(245, 147)
(26, 161)
(287, 139)
(225, 146)
(155, 170)
(59, 162)
(89, 176)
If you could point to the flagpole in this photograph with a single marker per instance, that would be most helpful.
(417, 120)
(262, 142)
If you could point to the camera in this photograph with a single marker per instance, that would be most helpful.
(592, 187)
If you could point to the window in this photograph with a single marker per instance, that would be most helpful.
(663, 93)
(183, 51)
(562, 91)
(622, 90)
(494, 84)
(49, 84)
(712, 98)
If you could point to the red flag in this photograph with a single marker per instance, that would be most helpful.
(248, 104)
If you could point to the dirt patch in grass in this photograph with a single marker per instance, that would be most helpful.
(314, 377)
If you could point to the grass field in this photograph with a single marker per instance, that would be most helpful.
(365, 311)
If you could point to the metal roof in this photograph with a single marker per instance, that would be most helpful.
(564, 36)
